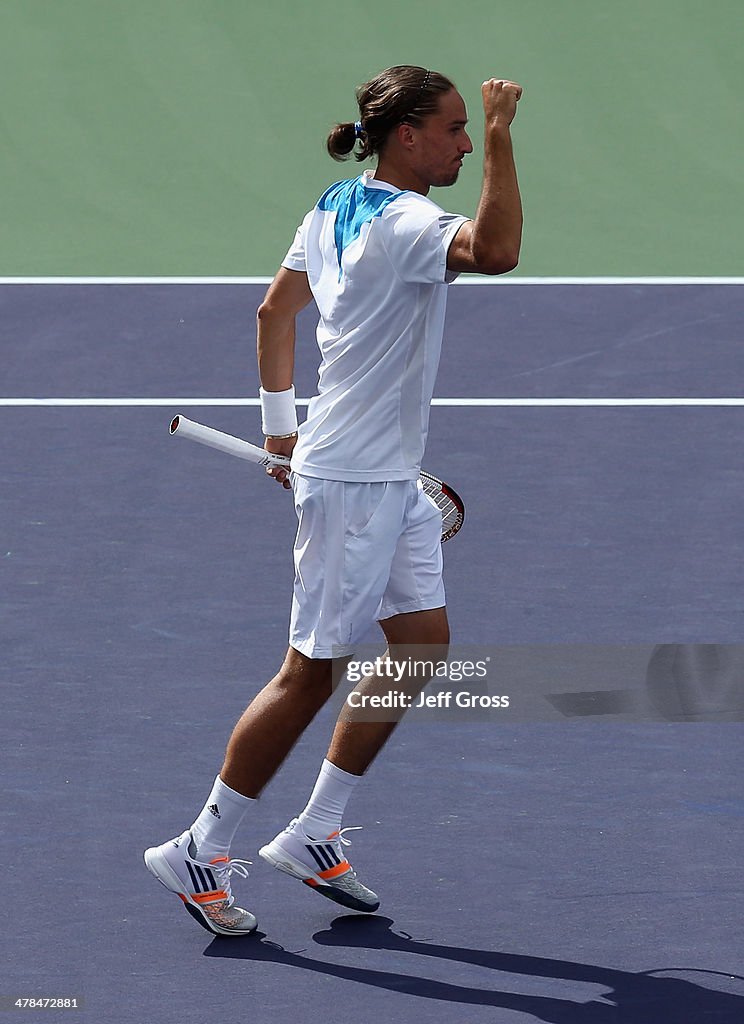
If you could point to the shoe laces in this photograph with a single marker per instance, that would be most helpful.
(231, 867)
(335, 837)
(222, 873)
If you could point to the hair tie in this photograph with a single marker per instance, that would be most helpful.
(358, 129)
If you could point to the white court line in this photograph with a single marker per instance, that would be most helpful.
(458, 402)
(464, 279)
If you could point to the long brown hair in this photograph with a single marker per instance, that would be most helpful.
(404, 94)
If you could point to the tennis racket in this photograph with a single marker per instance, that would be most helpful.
(444, 497)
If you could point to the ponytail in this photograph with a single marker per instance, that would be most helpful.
(341, 140)
(401, 95)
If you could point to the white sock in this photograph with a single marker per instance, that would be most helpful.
(325, 808)
(215, 828)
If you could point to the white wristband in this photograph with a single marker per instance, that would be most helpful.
(278, 412)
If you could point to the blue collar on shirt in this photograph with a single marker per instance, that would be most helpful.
(355, 205)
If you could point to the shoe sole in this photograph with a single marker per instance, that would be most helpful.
(273, 854)
(159, 867)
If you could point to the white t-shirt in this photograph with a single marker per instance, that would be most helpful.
(376, 261)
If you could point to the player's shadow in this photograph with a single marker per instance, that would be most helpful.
(631, 998)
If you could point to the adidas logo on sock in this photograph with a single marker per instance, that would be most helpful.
(214, 809)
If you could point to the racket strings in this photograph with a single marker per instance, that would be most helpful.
(448, 503)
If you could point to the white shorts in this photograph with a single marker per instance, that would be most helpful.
(363, 552)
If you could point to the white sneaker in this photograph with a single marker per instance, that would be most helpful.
(203, 887)
(321, 864)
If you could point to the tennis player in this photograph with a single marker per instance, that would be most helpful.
(376, 256)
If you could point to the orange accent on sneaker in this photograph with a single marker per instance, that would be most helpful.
(182, 897)
(311, 881)
(220, 860)
(209, 897)
(340, 869)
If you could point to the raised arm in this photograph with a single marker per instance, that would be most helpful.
(490, 243)
(288, 293)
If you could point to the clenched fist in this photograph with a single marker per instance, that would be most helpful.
(500, 98)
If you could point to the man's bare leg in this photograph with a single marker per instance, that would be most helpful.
(312, 846)
(276, 718)
(199, 859)
(356, 742)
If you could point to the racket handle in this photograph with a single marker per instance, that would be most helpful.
(183, 427)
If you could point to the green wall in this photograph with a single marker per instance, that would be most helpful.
(177, 137)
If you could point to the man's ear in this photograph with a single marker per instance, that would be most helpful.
(405, 135)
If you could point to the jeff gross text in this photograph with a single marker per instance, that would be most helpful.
(441, 699)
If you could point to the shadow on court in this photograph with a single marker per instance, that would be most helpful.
(633, 998)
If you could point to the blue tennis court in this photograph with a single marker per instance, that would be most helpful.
(580, 868)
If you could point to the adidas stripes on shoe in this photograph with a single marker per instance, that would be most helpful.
(203, 887)
(320, 864)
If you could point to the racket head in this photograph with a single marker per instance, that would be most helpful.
(448, 501)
